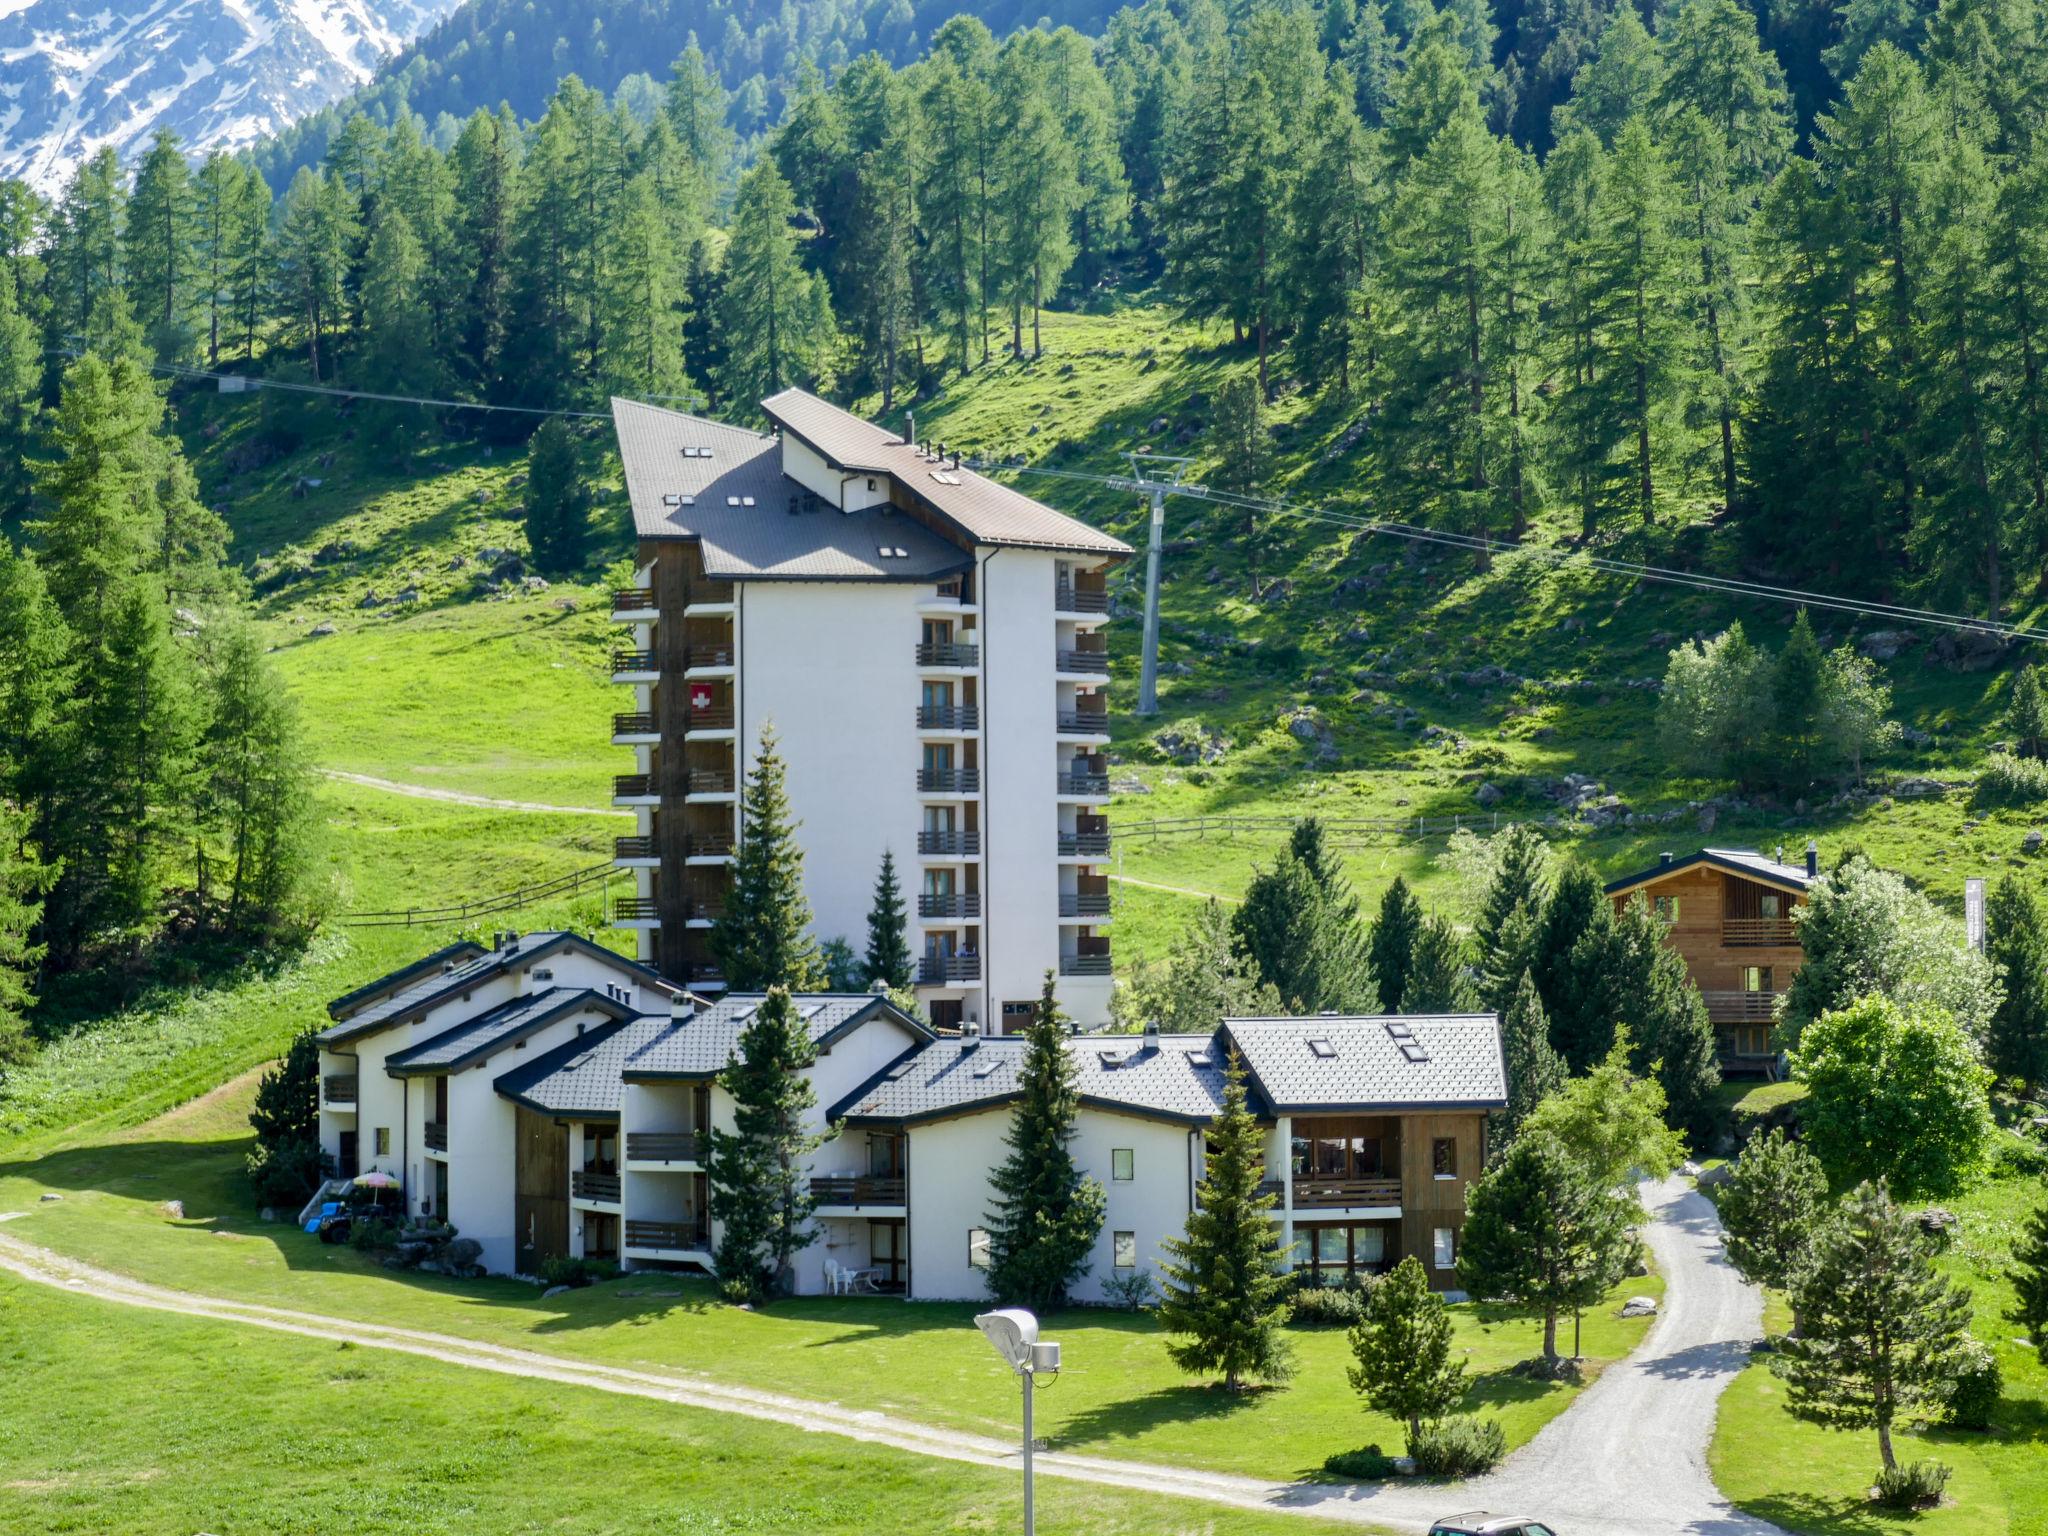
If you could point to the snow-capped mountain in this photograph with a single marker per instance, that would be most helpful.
(75, 76)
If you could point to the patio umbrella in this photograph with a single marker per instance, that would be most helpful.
(376, 1181)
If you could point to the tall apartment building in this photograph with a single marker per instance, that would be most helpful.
(929, 647)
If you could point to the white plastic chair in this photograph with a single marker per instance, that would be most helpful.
(835, 1278)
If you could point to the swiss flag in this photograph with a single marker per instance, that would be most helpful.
(700, 696)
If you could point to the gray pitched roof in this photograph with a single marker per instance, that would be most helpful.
(495, 1028)
(1374, 1062)
(1746, 862)
(705, 497)
(579, 1079)
(700, 1045)
(1178, 1078)
(986, 511)
(405, 976)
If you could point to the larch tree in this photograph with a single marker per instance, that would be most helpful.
(1611, 1119)
(778, 321)
(22, 880)
(1202, 980)
(763, 938)
(158, 240)
(1439, 979)
(888, 952)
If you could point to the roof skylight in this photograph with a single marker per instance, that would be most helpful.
(1322, 1049)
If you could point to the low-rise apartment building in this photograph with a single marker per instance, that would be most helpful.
(930, 647)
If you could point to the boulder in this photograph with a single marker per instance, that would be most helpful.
(1884, 644)
(1967, 650)
(1489, 795)
(1197, 746)
(320, 630)
(465, 1252)
(1937, 1222)
(47, 1197)
(175, 1209)
(1715, 1177)
(1639, 1306)
(2031, 843)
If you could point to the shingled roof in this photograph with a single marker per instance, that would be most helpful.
(579, 1079)
(1371, 1063)
(422, 969)
(1162, 1077)
(688, 478)
(496, 1028)
(698, 1047)
(1746, 862)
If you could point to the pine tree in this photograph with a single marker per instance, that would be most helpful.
(2016, 941)
(1225, 1292)
(763, 937)
(557, 500)
(1391, 948)
(157, 247)
(1534, 1070)
(1882, 1327)
(1439, 981)
(1567, 971)
(2026, 714)
(1047, 1212)
(1510, 915)
(2029, 1278)
(1244, 451)
(1402, 1348)
(22, 881)
(286, 1162)
(888, 954)
(1298, 929)
(758, 1171)
(1774, 1206)
(777, 319)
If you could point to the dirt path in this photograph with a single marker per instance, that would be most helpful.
(1627, 1459)
(1178, 890)
(481, 802)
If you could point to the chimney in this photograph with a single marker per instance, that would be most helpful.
(1150, 1039)
(1812, 859)
(910, 428)
(1663, 858)
(879, 986)
(970, 1035)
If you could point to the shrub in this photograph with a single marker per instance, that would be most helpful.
(1369, 1464)
(1327, 1306)
(1973, 1396)
(367, 1232)
(287, 1175)
(1917, 1485)
(1459, 1447)
(1134, 1292)
(564, 1270)
(2009, 780)
(2016, 1156)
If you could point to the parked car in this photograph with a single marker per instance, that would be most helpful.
(1483, 1524)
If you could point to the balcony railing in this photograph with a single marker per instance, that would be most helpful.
(948, 717)
(625, 785)
(717, 718)
(634, 661)
(703, 973)
(1750, 932)
(1095, 785)
(1085, 721)
(703, 911)
(948, 653)
(965, 904)
(634, 600)
(437, 1136)
(1071, 599)
(710, 845)
(635, 909)
(602, 1187)
(634, 848)
(1081, 845)
(684, 1236)
(934, 969)
(708, 781)
(339, 1089)
(1740, 1007)
(949, 781)
(1085, 965)
(634, 725)
(708, 656)
(1084, 904)
(949, 844)
(663, 1146)
(1325, 1194)
(1083, 661)
(851, 1189)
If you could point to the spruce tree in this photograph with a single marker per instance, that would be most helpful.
(778, 321)
(1505, 931)
(1628, 975)
(1244, 451)
(2016, 941)
(286, 1162)
(1202, 980)
(22, 880)
(557, 501)
(1439, 980)
(758, 1171)
(2029, 1277)
(763, 937)
(1568, 972)
(1883, 1329)
(1225, 1292)
(1534, 1070)
(1298, 927)
(1047, 1212)
(888, 954)
(1401, 1346)
(1391, 947)
(1774, 1207)
(2026, 714)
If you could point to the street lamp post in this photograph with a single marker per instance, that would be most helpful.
(1014, 1333)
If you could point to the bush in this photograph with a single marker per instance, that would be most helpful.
(1369, 1464)
(288, 1175)
(1459, 1447)
(1916, 1486)
(367, 1232)
(564, 1270)
(1327, 1306)
(2009, 780)
(1978, 1384)
(2017, 1156)
(1134, 1292)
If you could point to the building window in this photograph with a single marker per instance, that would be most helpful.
(1123, 1249)
(1443, 1157)
(977, 1247)
(1123, 1163)
(383, 1141)
(1756, 978)
(1667, 908)
(1770, 904)
(1444, 1248)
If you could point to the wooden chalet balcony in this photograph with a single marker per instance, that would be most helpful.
(1328, 1194)
(600, 1187)
(949, 844)
(966, 904)
(685, 1236)
(1084, 904)
(1070, 659)
(934, 970)
(949, 781)
(437, 1136)
(703, 973)
(663, 1146)
(1751, 932)
(634, 661)
(628, 785)
(716, 718)
(703, 911)
(849, 1189)
(948, 653)
(1076, 845)
(635, 600)
(1068, 598)
(1093, 784)
(1091, 722)
(708, 656)
(948, 717)
(1085, 965)
(635, 909)
(708, 781)
(634, 848)
(340, 1088)
(710, 845)
(634, 725)
(1740, 1007)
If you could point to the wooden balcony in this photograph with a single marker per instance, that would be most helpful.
(1084, 904)
(664, 1146)
(953, 845)
(1740, 1007)
(1332, 1194)
(1068, 598)
(677, 1236)
(716, 718)
(711, 845)
(1084, 722)
(635, 725)
(601, 1188)
(634, 661)
(634, 848)
(965, 904)
(948, 717)
(1093, 785)
(1086, 965)
(948, 653)
(436, 1136)
(627, 786)
(707, 656)
(708, 781)
(1070, 659)
(1759, 932)
(339, 1088)
(942, 970)
(849, 1189)
(635, 909)
(1083, 845)
(949, 781)
(638, 601)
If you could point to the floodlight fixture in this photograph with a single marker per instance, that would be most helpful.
(1014, 1333)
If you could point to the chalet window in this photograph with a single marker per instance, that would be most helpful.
(1443, 1157)
(1123, 1250)
(1666, 908)
(1334, 1149)
(1327, 1254)
(1368, 1247)
(1123, 1164)
(1333, 1247)
(1770, 904)
(383, 1141)
(1756, 978)
(977, 1247)
(1443, 1248)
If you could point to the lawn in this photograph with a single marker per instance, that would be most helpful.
(151, 1424)
(1118, 1395)
(1813, 1479)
